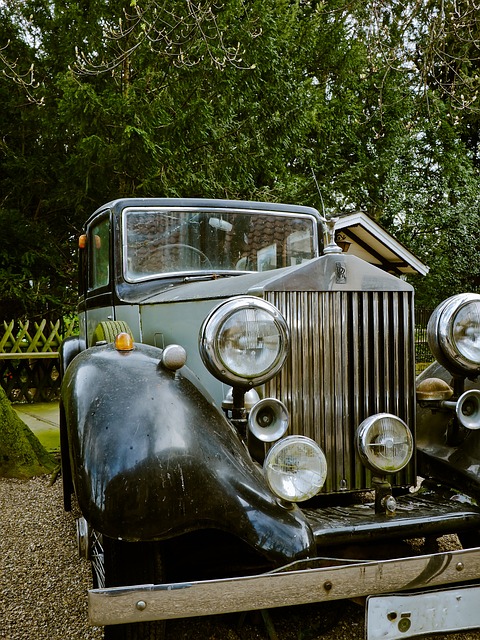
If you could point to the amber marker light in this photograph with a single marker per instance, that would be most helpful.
(124, 342)
(82, 241)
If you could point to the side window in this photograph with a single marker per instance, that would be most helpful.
(99, 254)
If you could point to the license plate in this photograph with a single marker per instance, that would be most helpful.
(396, 616)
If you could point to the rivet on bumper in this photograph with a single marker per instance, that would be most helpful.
(141, 605)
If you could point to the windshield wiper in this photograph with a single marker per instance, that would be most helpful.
(212, 276)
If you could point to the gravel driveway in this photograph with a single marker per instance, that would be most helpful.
(43, 584)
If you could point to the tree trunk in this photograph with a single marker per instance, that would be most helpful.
(21, 453)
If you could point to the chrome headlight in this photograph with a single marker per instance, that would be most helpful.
(384, 443)
(295, 468)
(244, 341)
(453, 333)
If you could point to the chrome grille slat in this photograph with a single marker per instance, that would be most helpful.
(358, 361)
(358, 365)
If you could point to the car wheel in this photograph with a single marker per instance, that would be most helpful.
(126, 563)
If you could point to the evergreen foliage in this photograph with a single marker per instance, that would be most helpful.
(140, 98)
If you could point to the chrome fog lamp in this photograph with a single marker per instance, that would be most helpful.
(384, 443)
(244, 341)
(295, 468)
(453, 333)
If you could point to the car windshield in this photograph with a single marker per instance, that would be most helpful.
(159, 241)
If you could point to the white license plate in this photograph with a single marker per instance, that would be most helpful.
(390, 617)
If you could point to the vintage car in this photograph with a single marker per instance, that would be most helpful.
(242, 428)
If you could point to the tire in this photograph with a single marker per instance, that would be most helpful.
(132, 563)
(65, 466)
(107, 331)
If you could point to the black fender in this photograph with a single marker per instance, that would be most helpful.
(152, 457)
(70, 348)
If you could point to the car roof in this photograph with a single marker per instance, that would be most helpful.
(121, 203)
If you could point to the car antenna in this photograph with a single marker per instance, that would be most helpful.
(319, 193)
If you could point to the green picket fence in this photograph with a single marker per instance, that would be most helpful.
(29, 364)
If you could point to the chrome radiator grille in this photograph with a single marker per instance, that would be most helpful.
(352, 355)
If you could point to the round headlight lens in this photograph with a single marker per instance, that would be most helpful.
(453, 333)
(244, 341)
(384, 443)
(295, 468)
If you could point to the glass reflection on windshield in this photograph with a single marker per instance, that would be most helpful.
(160, 241)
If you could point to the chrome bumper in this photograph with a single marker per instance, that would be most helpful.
(284, 587)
